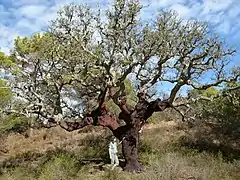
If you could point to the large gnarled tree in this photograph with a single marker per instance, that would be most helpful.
(83, 61)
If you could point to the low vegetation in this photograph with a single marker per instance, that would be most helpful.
(13, 124)
(84, 155)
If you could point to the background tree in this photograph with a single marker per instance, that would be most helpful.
(6, 65)
(87, 58)
(218, 106)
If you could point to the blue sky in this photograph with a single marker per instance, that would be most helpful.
(26, 17)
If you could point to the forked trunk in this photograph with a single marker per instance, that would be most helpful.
(129, 132)
(130, 150)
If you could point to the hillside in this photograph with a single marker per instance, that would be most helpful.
(57, 154)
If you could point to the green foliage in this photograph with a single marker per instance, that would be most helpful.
(13, 124)
(19, 173)
(207, 93)
(61, 167)
(50, 166)
(8, 64)
(95, 147)
(223, 110)
(131, 98)
(131, 93)
(226, 109)
(6, 61)
(5, 94)
(210, 92)
(36, 43)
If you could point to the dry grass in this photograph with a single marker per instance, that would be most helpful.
(56, 154)
(43, 140)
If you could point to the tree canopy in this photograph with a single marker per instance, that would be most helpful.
(86, 51)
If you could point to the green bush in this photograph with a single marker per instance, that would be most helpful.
(224, 111)
(61, 167)
(13, 124)
(96, 147)
(19, 173)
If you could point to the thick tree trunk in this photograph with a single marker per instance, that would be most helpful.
(135, 120)
(130, 150)
(129, 133)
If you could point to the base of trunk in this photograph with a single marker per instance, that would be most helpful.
(130, 150)
(133, 167)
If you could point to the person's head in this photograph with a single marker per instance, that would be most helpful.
(113, 138)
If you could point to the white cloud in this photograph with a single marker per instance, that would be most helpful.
(27, 2)
(7, 36)
(26, 25)
(224, 27)
(234, 11)
(24, 17)
(164, 3)
(212, 6)
(32, 11)
(183, 11)
(222, 14)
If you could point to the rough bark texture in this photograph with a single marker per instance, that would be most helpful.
(134, 121)
(130, 150)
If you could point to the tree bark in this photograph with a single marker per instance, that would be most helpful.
(130, 150)
(134, 121)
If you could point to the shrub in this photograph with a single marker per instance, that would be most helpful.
(61, 167)
(13, 124)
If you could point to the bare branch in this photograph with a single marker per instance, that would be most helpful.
(119, 98)
(72, 126)
(218, 82)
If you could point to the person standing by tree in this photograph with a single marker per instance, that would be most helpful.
(113, 152)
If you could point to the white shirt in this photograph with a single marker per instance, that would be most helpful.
(113, 147)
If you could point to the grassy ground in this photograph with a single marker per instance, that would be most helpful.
(51, 154)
